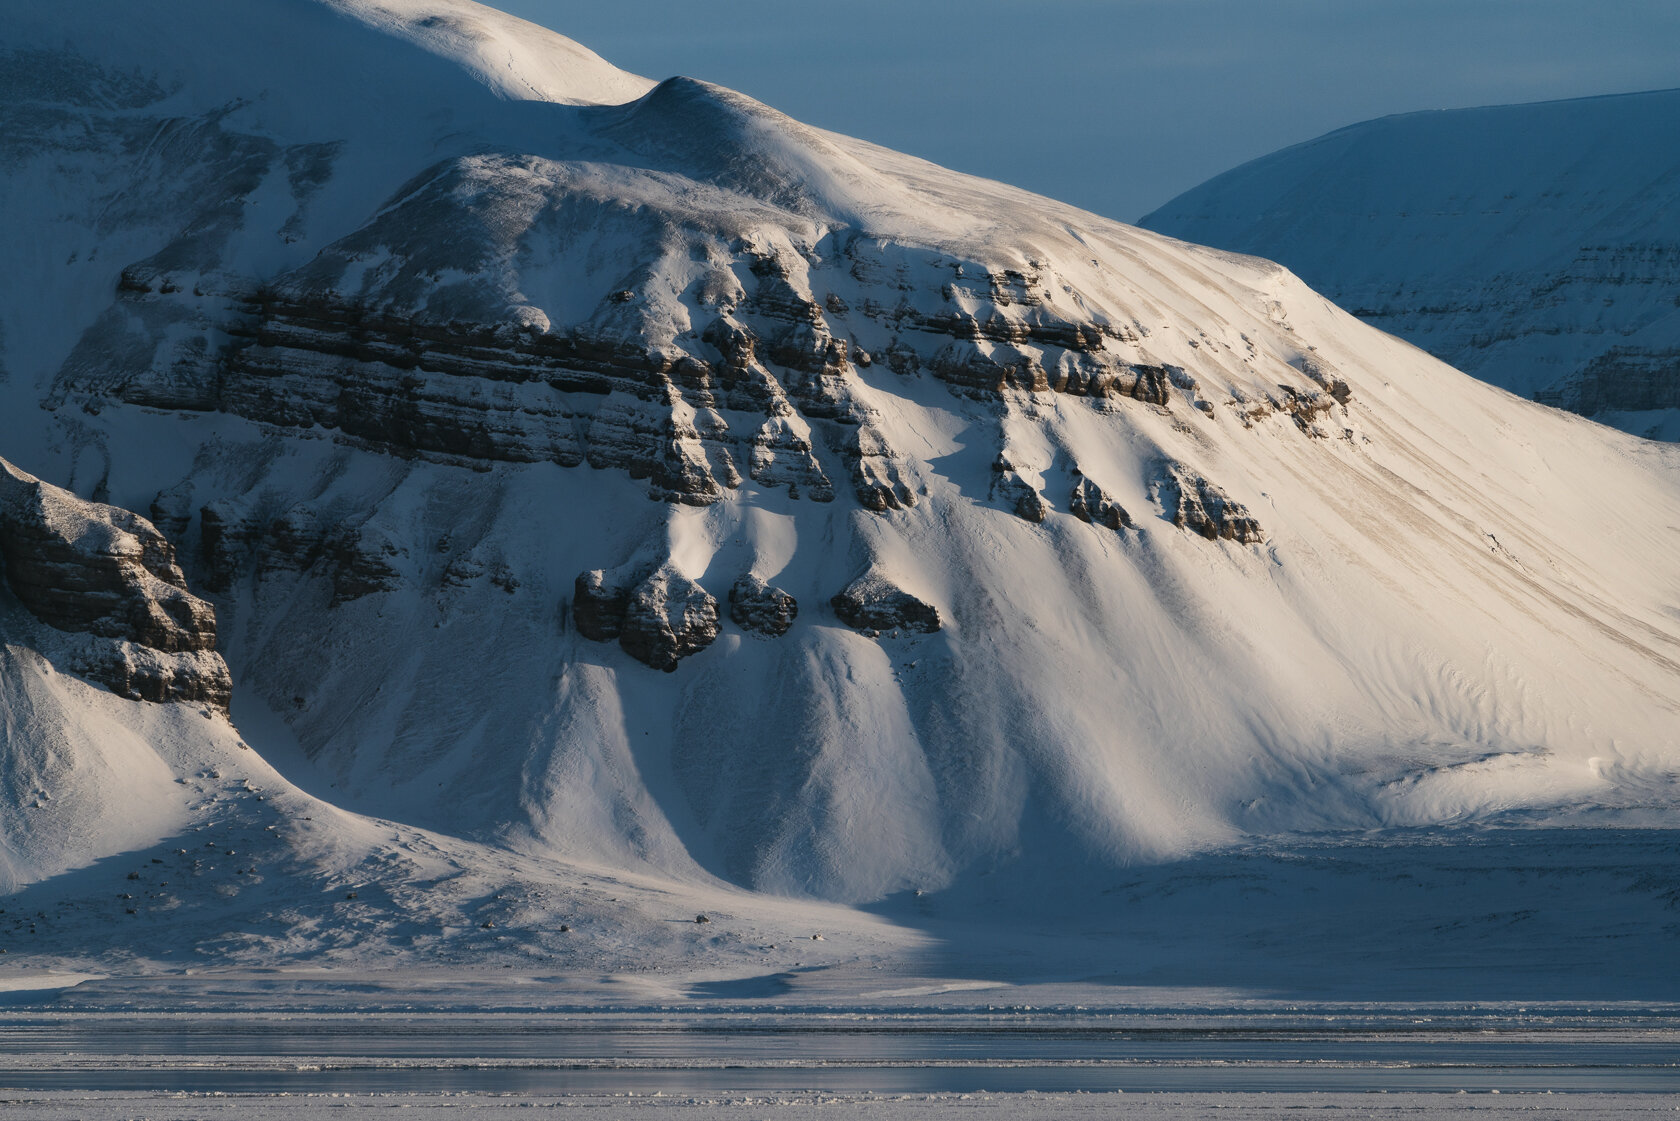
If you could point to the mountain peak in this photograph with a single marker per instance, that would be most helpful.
(520, 60)
(1535, 246)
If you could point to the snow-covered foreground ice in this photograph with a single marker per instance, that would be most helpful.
(888, 1107)
(681, 1058)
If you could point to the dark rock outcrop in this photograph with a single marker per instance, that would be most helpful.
(87, 568)
(235, 541)
(760, 608)
(1624, 378)
(83, 566)
(1018, 494)
(873, 604)
(1305, 405)
(876, 478)
(1326, 377)
(658, 618)
(1194, 503)
(668, 617)
(362, 564)
(1090, 503)
(598, 603)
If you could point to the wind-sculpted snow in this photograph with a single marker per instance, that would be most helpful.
(977, 534)
(1535, 246)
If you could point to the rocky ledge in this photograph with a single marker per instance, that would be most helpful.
(237, 540)
(1016, 492)
(1090, 503)
(873, 604)
(1626, 378)
(86, 568)
(1196, 504)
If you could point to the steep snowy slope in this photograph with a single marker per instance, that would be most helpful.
(1535, 246)
(630, 475)
(143, 827)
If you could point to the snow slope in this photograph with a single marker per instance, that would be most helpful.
(401, 320)
(1534, 246)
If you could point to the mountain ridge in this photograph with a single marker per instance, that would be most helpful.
(1529, 245)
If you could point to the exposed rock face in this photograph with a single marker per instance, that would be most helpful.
(1326, 378)
(760, 608)
(1309, 406)
(875, 475)
(83, 567)
(694, 379)
(1194, 503)
(236, 541)
(668, 617)
(598, 604)
(873, 604)
(1089, 503)
(1020, 495)
(1623, 378)
(658, 618)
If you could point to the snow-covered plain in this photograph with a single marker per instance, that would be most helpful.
(1403, 727)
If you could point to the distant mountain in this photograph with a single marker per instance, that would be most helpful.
(601, 482)
(1534, 246)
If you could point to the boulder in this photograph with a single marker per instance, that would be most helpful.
(667, 618)
(761, 609)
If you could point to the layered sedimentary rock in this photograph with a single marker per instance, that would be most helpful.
(1089, 503)
(718, 359)
(1623, 378)
(88, 568)
(1196, 504)
(599, 600)
(237, 541)
(668, 617)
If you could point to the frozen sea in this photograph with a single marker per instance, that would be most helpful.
(1252, 1061)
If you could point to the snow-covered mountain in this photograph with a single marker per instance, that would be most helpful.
(1534, 246)
(600, 478)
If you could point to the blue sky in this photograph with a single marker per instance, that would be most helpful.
(1117, 105)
